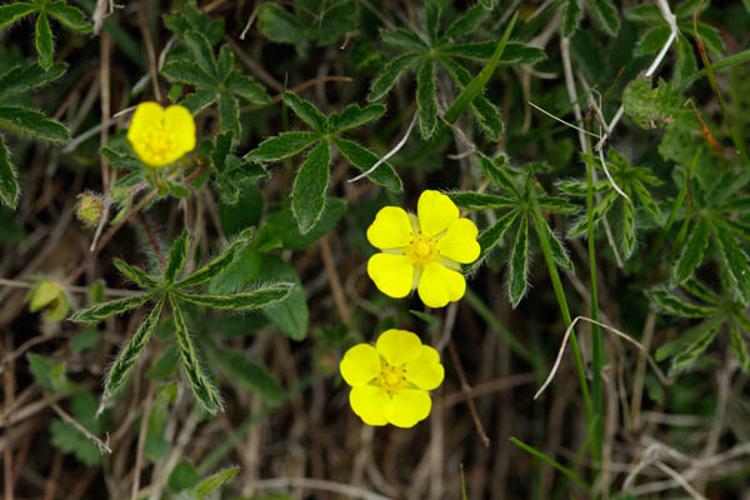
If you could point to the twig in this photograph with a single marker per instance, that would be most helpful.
(339, 297)
(466, 388)
(390, 153)
(102, 445)
(249, 23)
(680, 480)
(152, 239)
(556, 118)
(664, 380)
(448, 324)
(345, 490)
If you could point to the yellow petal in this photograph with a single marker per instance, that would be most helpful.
(460, 242)
(179, 121)
(369, 403)
(407, 407)
(436, 212)
(392, 274)
(439, 285)
(425, 371)
(398, 346)
(390, 229)
(360, 365)
(146, 114)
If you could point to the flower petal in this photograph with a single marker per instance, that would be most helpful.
(181, 124)
(407, 407)
(392, 274)
(439, 285)
(390, 229)
(398, 346)
(360, 365)
(425, 371)
(436, 212)
(369, 403)
(146, 114)
(460, 242)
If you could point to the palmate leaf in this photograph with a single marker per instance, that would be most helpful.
(282, 146)
(218, 264)
(306, 111)
(427, 99)
(279, 25)
(202, 51)
(353, 116)
(229, 115)
(69, 16)
(310, 186)
(363, 159)
(9, 189)
(25, 121)
(559, 252)
(496, 170)
(99, 312)
(491, 237)
(9, 14)
(246, 88)
(686, 338)
(467, 22)
(676, 306)
(692, 253)
(135, 274)
(259, 298)
(188, 72)
(626, 228)
(515, 52)
(200, 382)
(177, 256)
(119, 373)
(518, 266)
(213, 482)
(690, 354)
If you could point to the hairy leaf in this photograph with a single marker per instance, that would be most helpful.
(282, 146)
(363, 160)
(99, 312)
(310, 186)
(518, 266)
(243, 301)
(32, 123)
(692, 253)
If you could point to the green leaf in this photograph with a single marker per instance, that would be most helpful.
(571, 17)
(247, 88)
(491, 237)
(481, 201)
(32, 123)
(199, 100)
(478, 84)
(283, 226)
(652, 40)
(653, 107)
(183, 476)
(559, 253)
(218, 264)
(685, 339)
(518, 267)
(467, 22)
(99, 312)
(119, 373)
(739, 346)
(21, 79)
(353, 116)
(578, 228)
(177, 256)
(200, 382)
(229, 115)
(692, 253)
(69, 16)
(202, 51)
(69, 440)
(44, 370)
(278, 25)
(244, 373)
(259, 298)
(701, 291)
(405, 39)
(45, 47)
(310, 186)
(432, 11)
(736, 263)
(687, 357)
(9, 14)
(213, 482)
(338, 19)
(244, 212)
(9, 188)
(189, 73)
(515, 52)
(282, 146)
(427, 99)
(391, 73)
(686, 66)
(135, 274)
(606, 16)
(627, 237)
(678, 307)
(363, 159)
(306, 111)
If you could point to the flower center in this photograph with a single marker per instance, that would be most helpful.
(423, 249)
(391, 378)
(158, 143)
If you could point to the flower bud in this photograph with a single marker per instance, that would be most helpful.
(90, 208)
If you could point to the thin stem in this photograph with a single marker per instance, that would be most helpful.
(570, 474)
(564, 309)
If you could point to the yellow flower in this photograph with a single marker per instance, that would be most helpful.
(390, 381)
(423, 251)
(161, 136)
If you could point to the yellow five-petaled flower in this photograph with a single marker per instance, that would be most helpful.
(390, 381)
(423, 251)
(161, 136)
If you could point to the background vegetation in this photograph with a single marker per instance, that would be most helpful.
(601, 147)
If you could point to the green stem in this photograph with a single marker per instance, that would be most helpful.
(564, 309)
(596, 385)
(570, 474)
